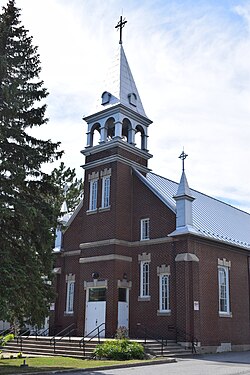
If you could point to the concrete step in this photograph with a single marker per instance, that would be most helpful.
(170, 350)
(71, 347)
(44, 346)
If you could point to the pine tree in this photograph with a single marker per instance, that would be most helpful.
(26, 193)
(65, 176)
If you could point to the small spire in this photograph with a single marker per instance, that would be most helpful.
(120, 25)
(183, 156)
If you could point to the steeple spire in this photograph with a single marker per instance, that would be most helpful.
(184, 200)
(119, 113)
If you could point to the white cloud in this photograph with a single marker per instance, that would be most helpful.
(191, 64)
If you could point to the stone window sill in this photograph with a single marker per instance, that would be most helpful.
(91, 212)
(144, 299)
(225, 315)
(163, 313)
(103, 209)
(67, 313)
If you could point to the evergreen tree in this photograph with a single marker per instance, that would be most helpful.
(64, 177)
(26, 193)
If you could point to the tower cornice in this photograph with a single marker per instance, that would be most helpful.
(95, 117)
(116, 142)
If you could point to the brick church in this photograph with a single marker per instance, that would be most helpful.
(144, 252)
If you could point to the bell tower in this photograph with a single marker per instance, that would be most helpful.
(119, 119)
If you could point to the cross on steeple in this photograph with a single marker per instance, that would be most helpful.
(183, 157)
(121, 25)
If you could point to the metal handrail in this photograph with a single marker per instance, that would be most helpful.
(148, 335)
(41, 333)
(7, 331)
(188, 336)
(22, 337)
(68, 331)
(82, 342)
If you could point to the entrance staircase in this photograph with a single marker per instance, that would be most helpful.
(172, 349)
(72, 347)
(44, 346)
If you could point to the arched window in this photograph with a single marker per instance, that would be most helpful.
(144, 284)
(110, 128)
(95, 134)
(126, 130)
(164, 293)
(223, 276)
(139, 132)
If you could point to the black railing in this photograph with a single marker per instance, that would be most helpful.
(98, 330)
(149, 335)
(180, 335)
(66, 332)
(7, 331)
(40, 332)
(23, 336)
(187, 337)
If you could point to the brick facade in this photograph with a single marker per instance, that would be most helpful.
(102, 250)
(117, 231)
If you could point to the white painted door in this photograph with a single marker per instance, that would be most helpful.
(123, 307)
(95, 311)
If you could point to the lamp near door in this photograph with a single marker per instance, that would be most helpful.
(95, 275)
(125, 276)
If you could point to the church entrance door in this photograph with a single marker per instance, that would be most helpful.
(123, 307)
(95, 311)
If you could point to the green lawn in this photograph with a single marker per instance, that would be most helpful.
(12, 366)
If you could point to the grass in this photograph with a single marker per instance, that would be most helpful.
(39, 364)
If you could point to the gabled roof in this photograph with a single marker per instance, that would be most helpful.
(120, 84)
(211, 218)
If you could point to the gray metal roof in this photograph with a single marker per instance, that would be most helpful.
(211, 217)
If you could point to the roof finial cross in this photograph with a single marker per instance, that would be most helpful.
(121, 25)
(183, 157)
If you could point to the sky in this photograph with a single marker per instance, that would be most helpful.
(191, 64)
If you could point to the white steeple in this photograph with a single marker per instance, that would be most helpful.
(119, 113)
(184, 201)
(119, 86)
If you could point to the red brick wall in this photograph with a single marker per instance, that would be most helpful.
(132, 201)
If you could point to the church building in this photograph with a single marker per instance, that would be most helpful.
(144, 252)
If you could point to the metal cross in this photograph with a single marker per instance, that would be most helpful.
(121, 25)
(183, 157)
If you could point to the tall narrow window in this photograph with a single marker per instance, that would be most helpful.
(106, 192)
(144, 282)
(223, 276)
(70, 280)
(93, 195)
(164, 293)
(145, 229)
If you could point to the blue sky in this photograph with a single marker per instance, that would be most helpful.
(191, 63)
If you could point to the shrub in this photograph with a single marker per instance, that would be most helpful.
(119, 350)
(121, 333)
(5, 339)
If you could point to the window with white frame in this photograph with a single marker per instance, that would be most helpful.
(93, 195)
(144, 279)
(164, 305)
(223, 278)
(106, 192)
(70, 281)
(145, 229)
